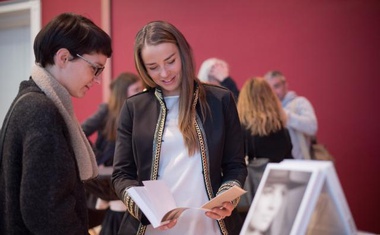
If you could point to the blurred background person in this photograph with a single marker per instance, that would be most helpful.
(266, 137)
(104, 123)
(264, 122)
(217, 72)
(301, 118)
(104, 120)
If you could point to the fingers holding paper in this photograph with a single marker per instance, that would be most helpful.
(169, 225)
(222, 212)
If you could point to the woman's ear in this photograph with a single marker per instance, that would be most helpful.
(62, 57)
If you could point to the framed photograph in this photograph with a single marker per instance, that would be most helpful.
(294, 197)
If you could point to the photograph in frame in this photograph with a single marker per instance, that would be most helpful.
(326, 211)
(278, 200)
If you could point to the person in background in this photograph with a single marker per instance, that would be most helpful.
(266, 137)
(216, 71)
(104, 122)
(46, 157)
(263, 121)
(181, 131)
(301, 118)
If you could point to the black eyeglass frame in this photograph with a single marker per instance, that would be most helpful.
(98, 69)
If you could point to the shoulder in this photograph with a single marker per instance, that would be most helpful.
(217, 92)
(142, 101)
(293, 100)
(301, 101)
(147, 94)
(35, 109)
(103, 109)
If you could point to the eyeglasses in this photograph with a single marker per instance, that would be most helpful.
(98, 69)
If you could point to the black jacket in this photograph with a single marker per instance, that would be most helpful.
(276, 146)
(142, 122)
(104, 148)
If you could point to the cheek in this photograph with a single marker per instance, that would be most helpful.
(178, 67)
(153, 75)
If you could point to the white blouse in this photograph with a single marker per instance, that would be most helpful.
(183, 174)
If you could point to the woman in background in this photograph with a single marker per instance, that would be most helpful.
(263, 121)
(266, 138)
(104, 122)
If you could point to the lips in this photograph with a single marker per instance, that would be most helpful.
(168, 81)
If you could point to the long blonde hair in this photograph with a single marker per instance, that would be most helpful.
(259, 108)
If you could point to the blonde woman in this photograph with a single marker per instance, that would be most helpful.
(264, 122)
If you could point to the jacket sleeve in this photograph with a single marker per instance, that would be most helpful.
(95, 121)
(301, 116)
(233, 166)
(230, 84)
(124, 174)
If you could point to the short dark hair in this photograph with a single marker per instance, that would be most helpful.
(76, 33)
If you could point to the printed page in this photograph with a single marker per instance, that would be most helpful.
(154, 199)
(161, 197)
(158, 205)
(141, 197)
(226, 196)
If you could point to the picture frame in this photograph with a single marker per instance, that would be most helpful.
(299, 197)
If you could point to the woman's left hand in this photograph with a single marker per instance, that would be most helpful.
(222, 212)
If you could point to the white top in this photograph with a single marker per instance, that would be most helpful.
(183, 175)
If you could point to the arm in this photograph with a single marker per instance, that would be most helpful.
(233, 163)
(96, 121)
(220, 72)
(50, 189)
(230, 84)
(124, 174)
(301, 116)
(233, 166)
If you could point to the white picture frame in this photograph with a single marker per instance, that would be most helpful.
(312, 199)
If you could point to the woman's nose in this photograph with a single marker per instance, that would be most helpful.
(164, 72)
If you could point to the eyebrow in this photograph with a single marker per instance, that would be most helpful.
(168, 58)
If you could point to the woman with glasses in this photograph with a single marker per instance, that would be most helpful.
(181, 131)
(45, 156)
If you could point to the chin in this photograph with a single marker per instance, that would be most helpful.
(79, 95)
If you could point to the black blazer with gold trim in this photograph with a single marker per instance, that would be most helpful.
(138, 145)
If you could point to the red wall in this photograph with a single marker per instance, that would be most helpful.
(328, 49)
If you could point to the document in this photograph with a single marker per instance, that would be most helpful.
(157, 203)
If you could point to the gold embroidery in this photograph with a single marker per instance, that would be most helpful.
(157, 142)
(204, 154)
